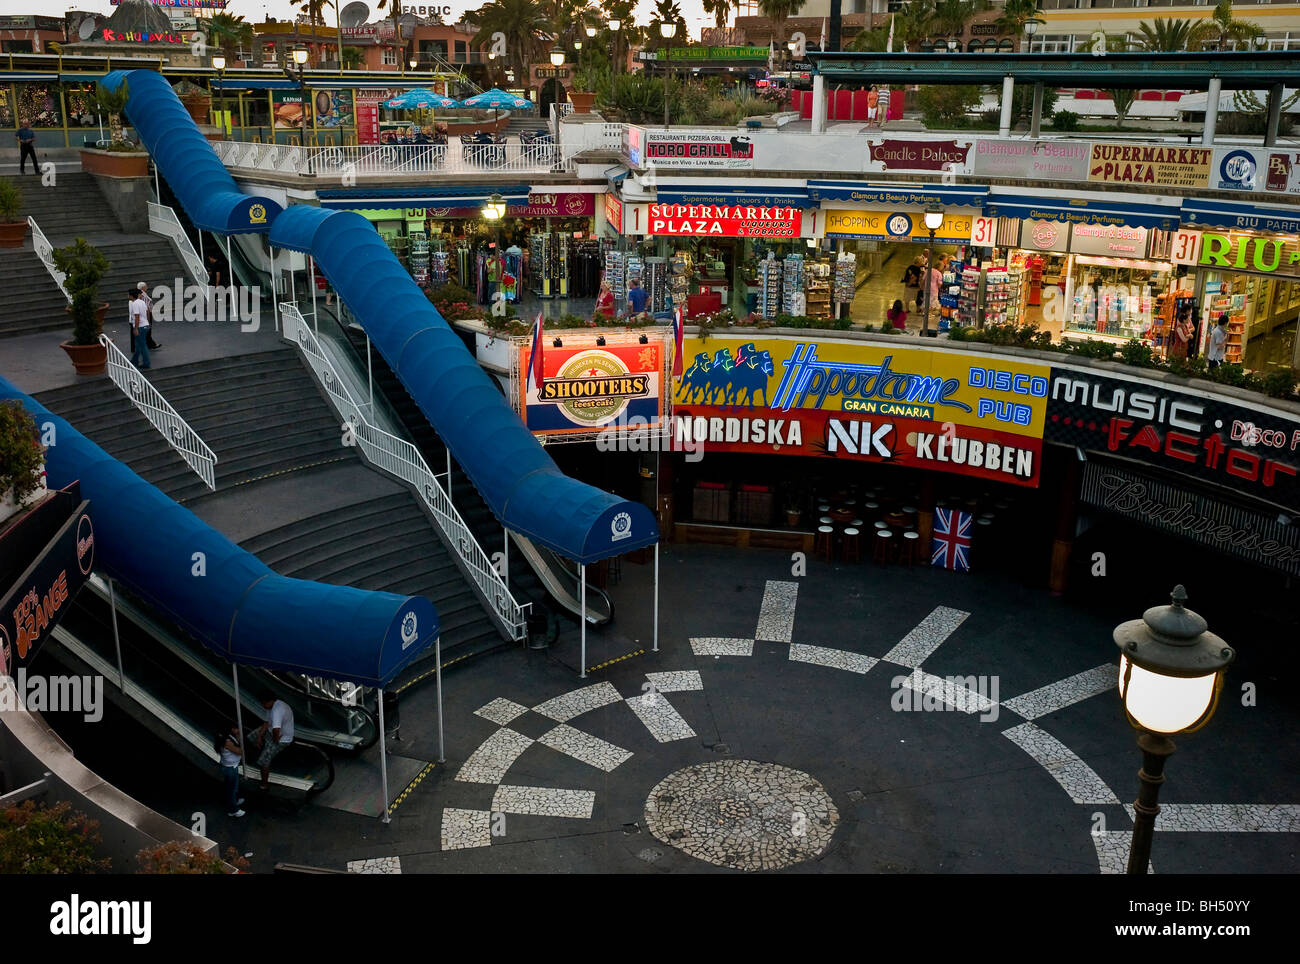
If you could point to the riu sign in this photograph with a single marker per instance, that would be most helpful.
(725, 220)
(1240, 251)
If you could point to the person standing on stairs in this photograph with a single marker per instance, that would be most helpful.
(140, 326)
(26, 139)
(148, 307)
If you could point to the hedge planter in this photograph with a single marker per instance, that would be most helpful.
(87, 359)
(12, 234)
(115, 163)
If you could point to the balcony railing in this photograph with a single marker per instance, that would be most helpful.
(387, 160)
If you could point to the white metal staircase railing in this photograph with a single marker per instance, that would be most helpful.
(45, 251)
(161, 415)
(400, 458)
(163, 220)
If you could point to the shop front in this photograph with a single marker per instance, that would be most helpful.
(1249, 275)
(545, 244)
(1093, 268)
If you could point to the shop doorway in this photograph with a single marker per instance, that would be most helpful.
(551, 92)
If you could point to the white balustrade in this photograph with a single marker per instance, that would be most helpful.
(45, 251)
(163, 220)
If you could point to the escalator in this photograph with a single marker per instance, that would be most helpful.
(177, 692)
(547, 579)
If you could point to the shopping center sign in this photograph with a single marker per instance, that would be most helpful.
(1252, 451)
(587, 387)
(970, 415)
(890, 225)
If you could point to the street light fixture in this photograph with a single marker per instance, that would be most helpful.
(298, 72)
(933, 222)
(1031, 28)
(667, 30)
(591, 33)
(219, 65)
(557, 57)
(1170, 674)
(614, 25)
(953, 44)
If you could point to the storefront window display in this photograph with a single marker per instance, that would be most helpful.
(6, 106)
(1114, 297)
(38, 105)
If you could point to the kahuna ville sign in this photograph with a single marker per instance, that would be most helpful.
(1250, 451)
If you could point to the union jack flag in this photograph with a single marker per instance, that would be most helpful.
(950, 546)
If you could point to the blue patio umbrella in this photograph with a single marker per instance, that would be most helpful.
(496, 99)
(419, 98)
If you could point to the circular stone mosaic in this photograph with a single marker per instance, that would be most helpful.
(743, 814)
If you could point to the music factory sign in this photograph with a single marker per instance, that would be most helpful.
(586, 388)
(1252, 451)
(927, 409)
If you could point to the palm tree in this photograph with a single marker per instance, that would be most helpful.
(525, 25)
(113, 103)
(1223, 27)
(1015, 14)
(915, 22)
(870, 41)
(353, 57)
(668, 11)
(628, 33)
(1122, 99)
(1166, 34)
(951, 16)
(720, 10)
(229, 32)
(779, 11)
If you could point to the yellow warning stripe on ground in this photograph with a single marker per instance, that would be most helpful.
(410, 787)
(427, 673)
(616, 659)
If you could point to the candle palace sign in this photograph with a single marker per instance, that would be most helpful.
(1251, 451)
(944, 411)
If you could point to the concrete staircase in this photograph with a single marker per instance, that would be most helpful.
(36, 303)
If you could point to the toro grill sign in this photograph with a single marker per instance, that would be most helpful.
(726, 220)
(1251, 451)
(585, 389)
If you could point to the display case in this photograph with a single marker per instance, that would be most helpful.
(769, 288)
(817, 289)
(616, 275)
(969, 297)
(846, 278)
(681, 267)
(418, 256)
(792, 284)
(654, 279)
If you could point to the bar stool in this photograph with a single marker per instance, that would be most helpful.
(824, 520)
(871, 506)
(857, 523)
(880, 524)
(883, 546)
(910, 546)
(825, 542)
(851, 548)
(823, 508)
(909, 510)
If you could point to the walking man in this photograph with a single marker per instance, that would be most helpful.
(637, 297)
(1218, 341)
(232, 755)
(148, 307)
(140, 326)
(279, 723)
(26, 138)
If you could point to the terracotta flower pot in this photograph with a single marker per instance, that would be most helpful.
(582, 101)
(87, 359)
(114, 163)
(12, 234)
(198, 107)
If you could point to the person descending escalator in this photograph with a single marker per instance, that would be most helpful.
(231, 750)
(279, 726)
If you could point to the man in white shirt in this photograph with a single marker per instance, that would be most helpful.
(279, 722)
(140, 328)
(148, 304)
(1218, 340)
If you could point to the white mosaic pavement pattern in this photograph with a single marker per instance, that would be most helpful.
(952, 691)
(544, 802)
(660, 718)
(928, 635)
(1112, 851)
(676, 682)
(464, 829)
(501, 711)
(494, 756)
(1075, 777)
(584, 747)
(834, 658)
(576, 702)
(743, 814)
(1226, 817)
(376, 865)
(717, 646)
(1063, 693)
(776, 614)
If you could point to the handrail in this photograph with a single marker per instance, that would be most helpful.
(161, 415)
(45, 251)
(385, 160)
(163, 220)
(400, 458)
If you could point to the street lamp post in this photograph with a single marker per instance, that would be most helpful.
(1031, 28)
(577, 45)
(667, 30)
(219, 65)
(298, 73)
(493, 211)
(933, 222)
(1170, 674)
(614, 25)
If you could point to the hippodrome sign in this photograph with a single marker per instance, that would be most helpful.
(586, 388)
(966, 414)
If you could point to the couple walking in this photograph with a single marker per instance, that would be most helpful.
(140, 310)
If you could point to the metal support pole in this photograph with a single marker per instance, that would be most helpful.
(275, 303)
(929, 266)
(383, 757)
(293, 283)
(1008, 90)
(667, 77)
(370, 378)
(505, 555)
(655, 637)
(448, 469)
(819, 104)
(1156, 749)
(239, 712)
(230, 282)
(311, 265)
(437, 668)
(117, 643)
(157, 191)
(1036, 117)
(1274, 115)
(1211, 111)
(582, 612)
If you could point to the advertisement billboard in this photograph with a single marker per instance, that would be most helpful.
(588, 387)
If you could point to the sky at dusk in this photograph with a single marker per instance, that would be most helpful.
(257, 10)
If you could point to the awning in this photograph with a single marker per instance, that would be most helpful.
(760, 196)
(256, 84)
(1083, 211)
(1244, 217)
(897, 195)
(462, 196)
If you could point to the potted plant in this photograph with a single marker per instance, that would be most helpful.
(84, 266)
(22, 460)
(197, 100)
(13, 229)
(583, 93)
(120, 158)
(793, 513)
